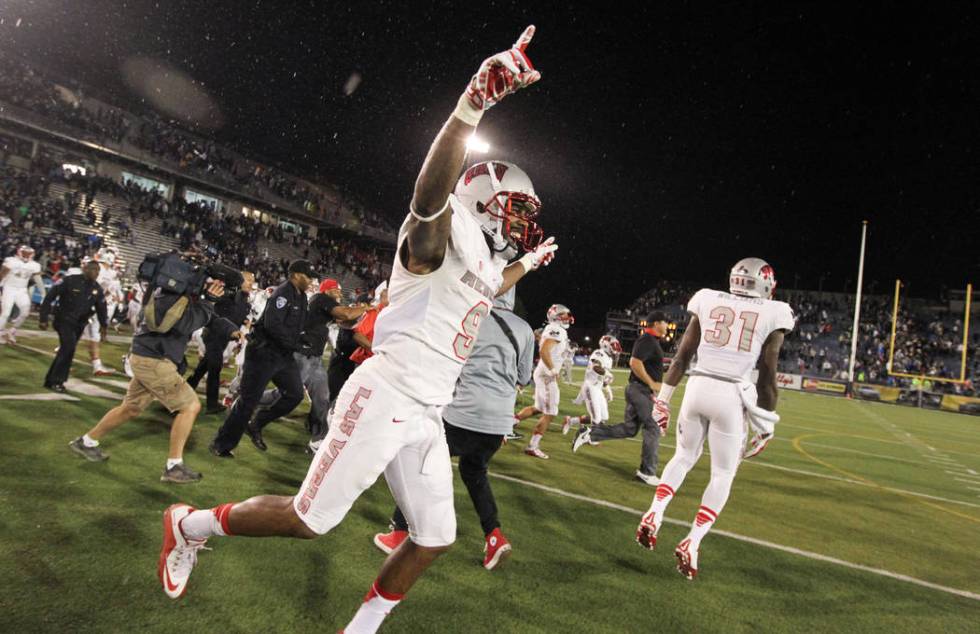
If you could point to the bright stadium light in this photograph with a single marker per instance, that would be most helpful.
(478, 145)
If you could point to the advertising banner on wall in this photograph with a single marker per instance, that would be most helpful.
(824, 386)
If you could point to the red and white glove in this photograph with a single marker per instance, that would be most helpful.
(756, 445)
(661, 415)
(542, 255)
(497, 77)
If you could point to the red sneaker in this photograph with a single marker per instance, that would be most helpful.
(389, 541)
(497, 549)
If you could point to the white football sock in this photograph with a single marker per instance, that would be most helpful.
(663, 496)
(171, 462)
(535, 441)
(96, 364)
(377, 604)
(88, 441)
(703, 522)
(206, 523)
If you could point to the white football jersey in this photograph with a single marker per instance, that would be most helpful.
(426, 333)
(559, 335)
(19, 272)
(600, 358)
(733, 329)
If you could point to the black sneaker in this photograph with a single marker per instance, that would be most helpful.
(220, 453)
(513, 436)
(93, 454)
(180, 474)
(255, 434)
(57, 387)
(215, 409)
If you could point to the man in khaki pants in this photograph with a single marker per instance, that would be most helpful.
(157, 359)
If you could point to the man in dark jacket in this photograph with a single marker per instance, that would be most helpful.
(157, 359)
(269, 357)
(235, 309)
(73, 302)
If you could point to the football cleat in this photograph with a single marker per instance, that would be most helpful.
(583, 436)
(497, 548)
(178, 554)
(388, 542)
(566, 425)
(104, 371)
(535, 452)
(646, 532)
(687, 559)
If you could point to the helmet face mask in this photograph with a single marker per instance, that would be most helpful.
(561, 315)
(502, 199)
(752, 277)
(25, 252)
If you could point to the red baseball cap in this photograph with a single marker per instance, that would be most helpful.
(328, 285)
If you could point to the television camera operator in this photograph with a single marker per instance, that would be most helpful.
(180, 300)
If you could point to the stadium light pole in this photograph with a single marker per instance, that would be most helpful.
(857, 303)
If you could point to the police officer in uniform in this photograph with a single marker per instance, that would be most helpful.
(269, 356)
(324, 309)
(73, 301)
(234, 308)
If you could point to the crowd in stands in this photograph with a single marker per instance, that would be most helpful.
(26, 206)
(22, 86)
(929, 340)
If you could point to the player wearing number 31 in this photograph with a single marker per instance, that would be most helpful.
(450, 263)
(730, 332)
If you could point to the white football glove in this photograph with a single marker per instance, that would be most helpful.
(502, 74)
(542, 255)
(661, 415)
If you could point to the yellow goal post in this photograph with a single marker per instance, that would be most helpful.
(966, 339)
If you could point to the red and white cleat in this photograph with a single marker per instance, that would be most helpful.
(387, 542)
(646, 532)
(104, 371)
(178, 554)
(497, 548)
(687, 559)
(535, 452)
(566, 425)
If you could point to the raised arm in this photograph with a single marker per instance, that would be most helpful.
(430, 221)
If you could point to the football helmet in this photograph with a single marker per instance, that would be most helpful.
(752, 277)
(610, 345)
(106, 256)
(561, 315)
(25, 252)
(501, 197)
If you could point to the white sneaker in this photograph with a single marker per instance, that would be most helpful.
(566, 425)
(178, 554)
(687, 559)
(583, 436)
(652, 480)
(537, 453)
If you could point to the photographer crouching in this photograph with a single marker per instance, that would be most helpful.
(179, 301)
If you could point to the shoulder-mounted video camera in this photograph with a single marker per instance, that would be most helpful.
(186, 274)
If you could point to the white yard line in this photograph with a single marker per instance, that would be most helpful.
(751, 540)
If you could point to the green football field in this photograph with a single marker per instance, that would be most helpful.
(859, 517)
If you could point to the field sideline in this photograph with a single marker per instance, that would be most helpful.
(857, 517)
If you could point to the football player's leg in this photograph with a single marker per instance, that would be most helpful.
(691, 432)
(725, 440)
(421, 480)
(6, 307)
(548, 405)
(23, 302)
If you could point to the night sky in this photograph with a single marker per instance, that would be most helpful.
(664, 143)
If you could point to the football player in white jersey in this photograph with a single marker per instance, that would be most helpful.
(447, 269)
(551, 346)
(109, 281)
(596, 391)
(730, 332)
(17, 273)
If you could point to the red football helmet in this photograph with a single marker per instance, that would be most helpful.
(561, 315)
(610, 345)
(501, 197)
